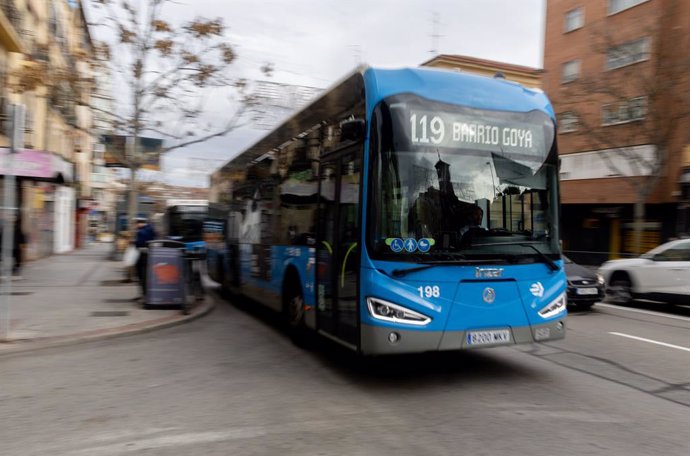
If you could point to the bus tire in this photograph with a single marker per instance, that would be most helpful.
(293, 309)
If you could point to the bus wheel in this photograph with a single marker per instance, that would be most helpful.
(293, 310)
(294, 307)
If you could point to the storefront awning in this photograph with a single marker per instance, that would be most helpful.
(36, 164)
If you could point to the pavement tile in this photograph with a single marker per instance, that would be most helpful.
(80, 296)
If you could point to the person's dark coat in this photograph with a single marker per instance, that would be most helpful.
(144, 235)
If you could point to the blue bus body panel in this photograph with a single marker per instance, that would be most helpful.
(460, 305)
(303, 260)
(281, 257)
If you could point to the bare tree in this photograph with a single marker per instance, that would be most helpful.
(168, 72)
(165, 74)
(640, 99)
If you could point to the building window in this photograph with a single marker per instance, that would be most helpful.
(625, 111)
(627, 53)
(574, 19)
(616, 6)
(571, 71)
(567, 122)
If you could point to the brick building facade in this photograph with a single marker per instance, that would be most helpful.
(617, 74)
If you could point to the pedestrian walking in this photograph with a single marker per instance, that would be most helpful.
(145, 233)
(18, 244)
(18, 251)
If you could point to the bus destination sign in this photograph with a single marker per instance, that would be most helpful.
(454, 130)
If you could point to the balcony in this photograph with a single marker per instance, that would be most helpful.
(10, 26)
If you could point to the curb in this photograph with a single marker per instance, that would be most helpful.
(41, 343)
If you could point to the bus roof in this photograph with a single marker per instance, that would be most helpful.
(340, 97)
(443, 85)
(454, 87)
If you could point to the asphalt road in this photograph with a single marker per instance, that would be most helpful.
(233, 384)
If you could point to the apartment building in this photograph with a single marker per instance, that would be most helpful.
(104, 192)
(616, 72)
(527, 76)
(46, 39)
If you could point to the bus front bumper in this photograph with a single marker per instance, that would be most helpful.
(379, 340)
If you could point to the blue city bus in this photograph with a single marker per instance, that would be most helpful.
(403, 211)
(184, 221)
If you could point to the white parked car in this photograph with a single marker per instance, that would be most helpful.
(662, 274)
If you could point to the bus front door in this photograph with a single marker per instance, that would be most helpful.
(338, 248)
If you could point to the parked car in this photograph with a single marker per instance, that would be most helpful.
(585, 287)
(662, 274)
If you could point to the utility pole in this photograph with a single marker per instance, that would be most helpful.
(9, 215)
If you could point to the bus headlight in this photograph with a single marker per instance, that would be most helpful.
(387, 311)
(555, 307)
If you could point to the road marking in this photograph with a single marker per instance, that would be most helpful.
(648, 312)
(678, 347)
(166, 441)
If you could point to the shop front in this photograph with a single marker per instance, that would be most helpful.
(45, 200)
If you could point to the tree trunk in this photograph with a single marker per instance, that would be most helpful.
(638, 222)
(133, 201)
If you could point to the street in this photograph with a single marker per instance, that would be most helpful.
(233, 383)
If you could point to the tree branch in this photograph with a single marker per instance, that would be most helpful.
(232, 125)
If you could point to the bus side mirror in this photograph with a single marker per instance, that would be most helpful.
(352, 129)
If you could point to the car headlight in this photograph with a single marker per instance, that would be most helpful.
(394, 313)
(600, 279)
(555, 307)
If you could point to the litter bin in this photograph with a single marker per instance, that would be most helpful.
(168, 277)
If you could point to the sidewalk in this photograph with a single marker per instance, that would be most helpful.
(80, 296)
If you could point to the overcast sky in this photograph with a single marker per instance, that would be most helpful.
(315, 42)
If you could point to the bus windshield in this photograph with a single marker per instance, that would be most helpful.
(458, 183)
(186, 222)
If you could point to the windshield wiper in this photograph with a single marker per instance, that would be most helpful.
(549, 262)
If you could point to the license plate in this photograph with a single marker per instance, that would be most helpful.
(500, 336)
(587, 291)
